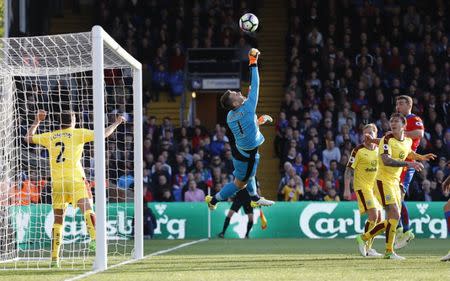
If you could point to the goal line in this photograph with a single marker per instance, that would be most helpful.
(161, 252)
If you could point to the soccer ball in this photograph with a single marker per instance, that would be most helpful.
(248, 22)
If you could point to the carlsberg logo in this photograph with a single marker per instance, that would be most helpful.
(239, 220)
(173, 228)
(315, 224)
(75, 230)
(325, 220)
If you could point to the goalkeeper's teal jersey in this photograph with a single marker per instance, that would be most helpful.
(243, 122)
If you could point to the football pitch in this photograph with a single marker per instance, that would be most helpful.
(265, 259)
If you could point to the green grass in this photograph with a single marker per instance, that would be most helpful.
(268, 259)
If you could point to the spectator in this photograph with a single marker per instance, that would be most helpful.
(126, 181)
(291, 191)
(217, 146)
(314, 194)
(298, 164)
(313, 180)
(148, 196)
(331, 153)
(204, 173)
(193, 194)
(163, 191)
(180, 180)
(160, 81)
(332, 195)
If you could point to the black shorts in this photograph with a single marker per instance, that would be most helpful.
(237, 204)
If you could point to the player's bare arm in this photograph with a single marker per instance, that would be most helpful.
(110, 129)
(40, 116)
(388, 161)
(415, 134)
(419, 157)
(348, 176)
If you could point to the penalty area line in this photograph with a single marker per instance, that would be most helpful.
(89, 273)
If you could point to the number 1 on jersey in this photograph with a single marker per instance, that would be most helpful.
(60, 157)
(240, 128)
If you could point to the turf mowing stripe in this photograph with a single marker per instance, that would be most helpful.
(89, 273)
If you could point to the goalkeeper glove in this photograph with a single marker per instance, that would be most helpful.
(253, 55)
(264, 119)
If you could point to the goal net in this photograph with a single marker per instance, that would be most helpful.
(92, 76)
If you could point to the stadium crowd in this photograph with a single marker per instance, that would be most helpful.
(347, 62)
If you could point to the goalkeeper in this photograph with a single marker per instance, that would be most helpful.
(244, 125)
(65, 146)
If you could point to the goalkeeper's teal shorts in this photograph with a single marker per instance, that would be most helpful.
(245, 162)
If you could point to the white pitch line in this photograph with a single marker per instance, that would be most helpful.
(89, 273)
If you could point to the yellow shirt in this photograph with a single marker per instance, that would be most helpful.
(291, 193)
(397, 150)
(365, 163)
(66, 148)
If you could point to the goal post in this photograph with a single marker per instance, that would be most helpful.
(99, 39)
(92, 75)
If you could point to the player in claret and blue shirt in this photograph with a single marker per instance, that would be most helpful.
(244, 125)
(414, 129)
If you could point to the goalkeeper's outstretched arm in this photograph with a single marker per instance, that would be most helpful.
(254, 84)
(32, 130)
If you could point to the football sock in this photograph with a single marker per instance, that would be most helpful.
(226, 192)
(376, 230)
(89, 217)
(249, 227)
(369, 226)
(391, 229)
(226, 224)
(404, 217)
(56, 240)
(251, 188)
(447, 217)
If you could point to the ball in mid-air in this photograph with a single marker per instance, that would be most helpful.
(248, 22)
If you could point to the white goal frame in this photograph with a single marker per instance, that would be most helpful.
(99, 39)
(102, 46)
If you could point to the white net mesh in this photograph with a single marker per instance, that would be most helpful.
(54, 73)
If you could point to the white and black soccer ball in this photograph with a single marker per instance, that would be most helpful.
(248, 22)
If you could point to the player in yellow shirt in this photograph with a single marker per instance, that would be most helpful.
(68, 179)
(362, 166)
(395, 148)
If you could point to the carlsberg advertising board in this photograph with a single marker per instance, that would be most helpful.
(33, 224)
(316, 220)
